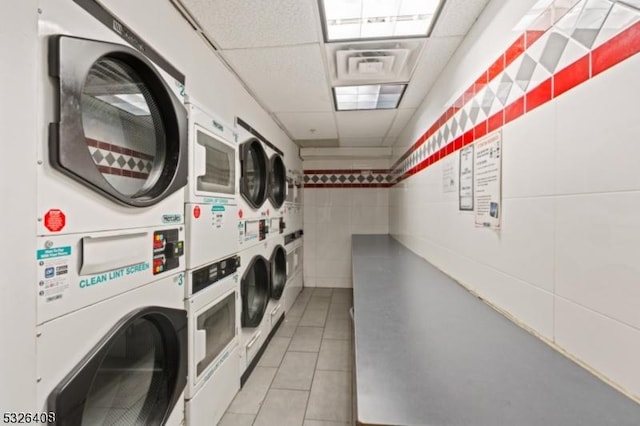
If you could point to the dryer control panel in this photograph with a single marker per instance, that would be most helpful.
(209, 275)
(167, 249)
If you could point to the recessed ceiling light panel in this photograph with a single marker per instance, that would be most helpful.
(373, 19)
(377, 96)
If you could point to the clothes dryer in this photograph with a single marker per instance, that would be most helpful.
(278, 272)
(112, 124)
(255, 290)
(121, 361)
(214, 318)
(211, 212)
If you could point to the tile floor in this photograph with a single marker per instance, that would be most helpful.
(304, 376)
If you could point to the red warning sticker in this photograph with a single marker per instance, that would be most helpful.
(196, 212)
(54, 220)
(240, 213)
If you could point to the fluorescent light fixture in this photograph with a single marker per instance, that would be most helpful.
(377, 96)
(372, 19)
(132, 103)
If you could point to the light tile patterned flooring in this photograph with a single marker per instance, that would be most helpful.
(304, 376)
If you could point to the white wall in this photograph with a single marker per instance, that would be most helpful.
(332, 215)
(566, 260)
(18, 43)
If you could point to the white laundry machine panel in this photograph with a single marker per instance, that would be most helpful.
(278, 272)
(79, 270)
(293, 245)
(112, 126)
(214, 363)
(120, 361)
(212, 232)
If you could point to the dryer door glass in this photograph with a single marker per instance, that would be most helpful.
(277, 181)
(254, 173)
(220, 168)
(134, 376)
(218, 325)
(278, 272)
(255, 292)
(122, 126)
(122, 131)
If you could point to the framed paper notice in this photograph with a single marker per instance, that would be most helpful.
(488, 181)
(465, 179)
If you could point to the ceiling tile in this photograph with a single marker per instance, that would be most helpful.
(285, 79)
(457, 17)
(360, 142)
(299, 124)
(317, 143)
(364, 124)
(402, 118)
(389, 141)
(256, 23)
(435, 56)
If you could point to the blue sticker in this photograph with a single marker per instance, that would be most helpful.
(217, 208)
(50, 253)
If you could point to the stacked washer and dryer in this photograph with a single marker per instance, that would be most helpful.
(112, 166)
(212, 290)
(261, 237)
(293, 239)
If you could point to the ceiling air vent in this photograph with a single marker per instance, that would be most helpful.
(370, 64)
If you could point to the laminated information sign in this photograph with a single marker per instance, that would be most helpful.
(488, 181)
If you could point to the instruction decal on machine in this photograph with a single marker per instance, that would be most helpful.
(53, 272)
(113, 275)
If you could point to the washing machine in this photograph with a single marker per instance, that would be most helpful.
(255, 292)
(278, 274)
(262, 189)
(211, 210)
(293, 246)
(121, 361)
(214, 359)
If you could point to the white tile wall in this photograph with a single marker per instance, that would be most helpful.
(567, 260)
(332, 215)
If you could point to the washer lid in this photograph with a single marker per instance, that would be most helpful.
(120, 130)
(254, 171)
(134, 375)
(277, 181)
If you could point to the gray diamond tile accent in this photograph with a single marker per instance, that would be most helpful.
(149, 166)
(131, 163)
(315, 178)
(306, 179)
(342, 178)
(352, 178)
(97, 156)
(454, 126)
(369, 178)
(324, 179)
(473, 113)
(487, 100)
(527, 67)
(445, 132)
(141, 165)
(333, 178)
(360, 178)
(553, 51)
(110, 159)
(504, 88)
(463, 119)
(121, 161)
(379, 178)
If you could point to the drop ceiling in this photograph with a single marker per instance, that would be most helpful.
(277, 49)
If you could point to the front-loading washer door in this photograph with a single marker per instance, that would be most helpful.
(120, 130)
(255, 289)
(277, 181)
(134, 376)
(278, 271)
(254, 173)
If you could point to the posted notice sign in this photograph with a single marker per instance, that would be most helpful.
(488, 181)
(465, 180)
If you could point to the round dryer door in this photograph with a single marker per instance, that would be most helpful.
(277, 181)
(134, 376)
(121, 131)
(278, 271)
(253, 180)
(255, 288)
